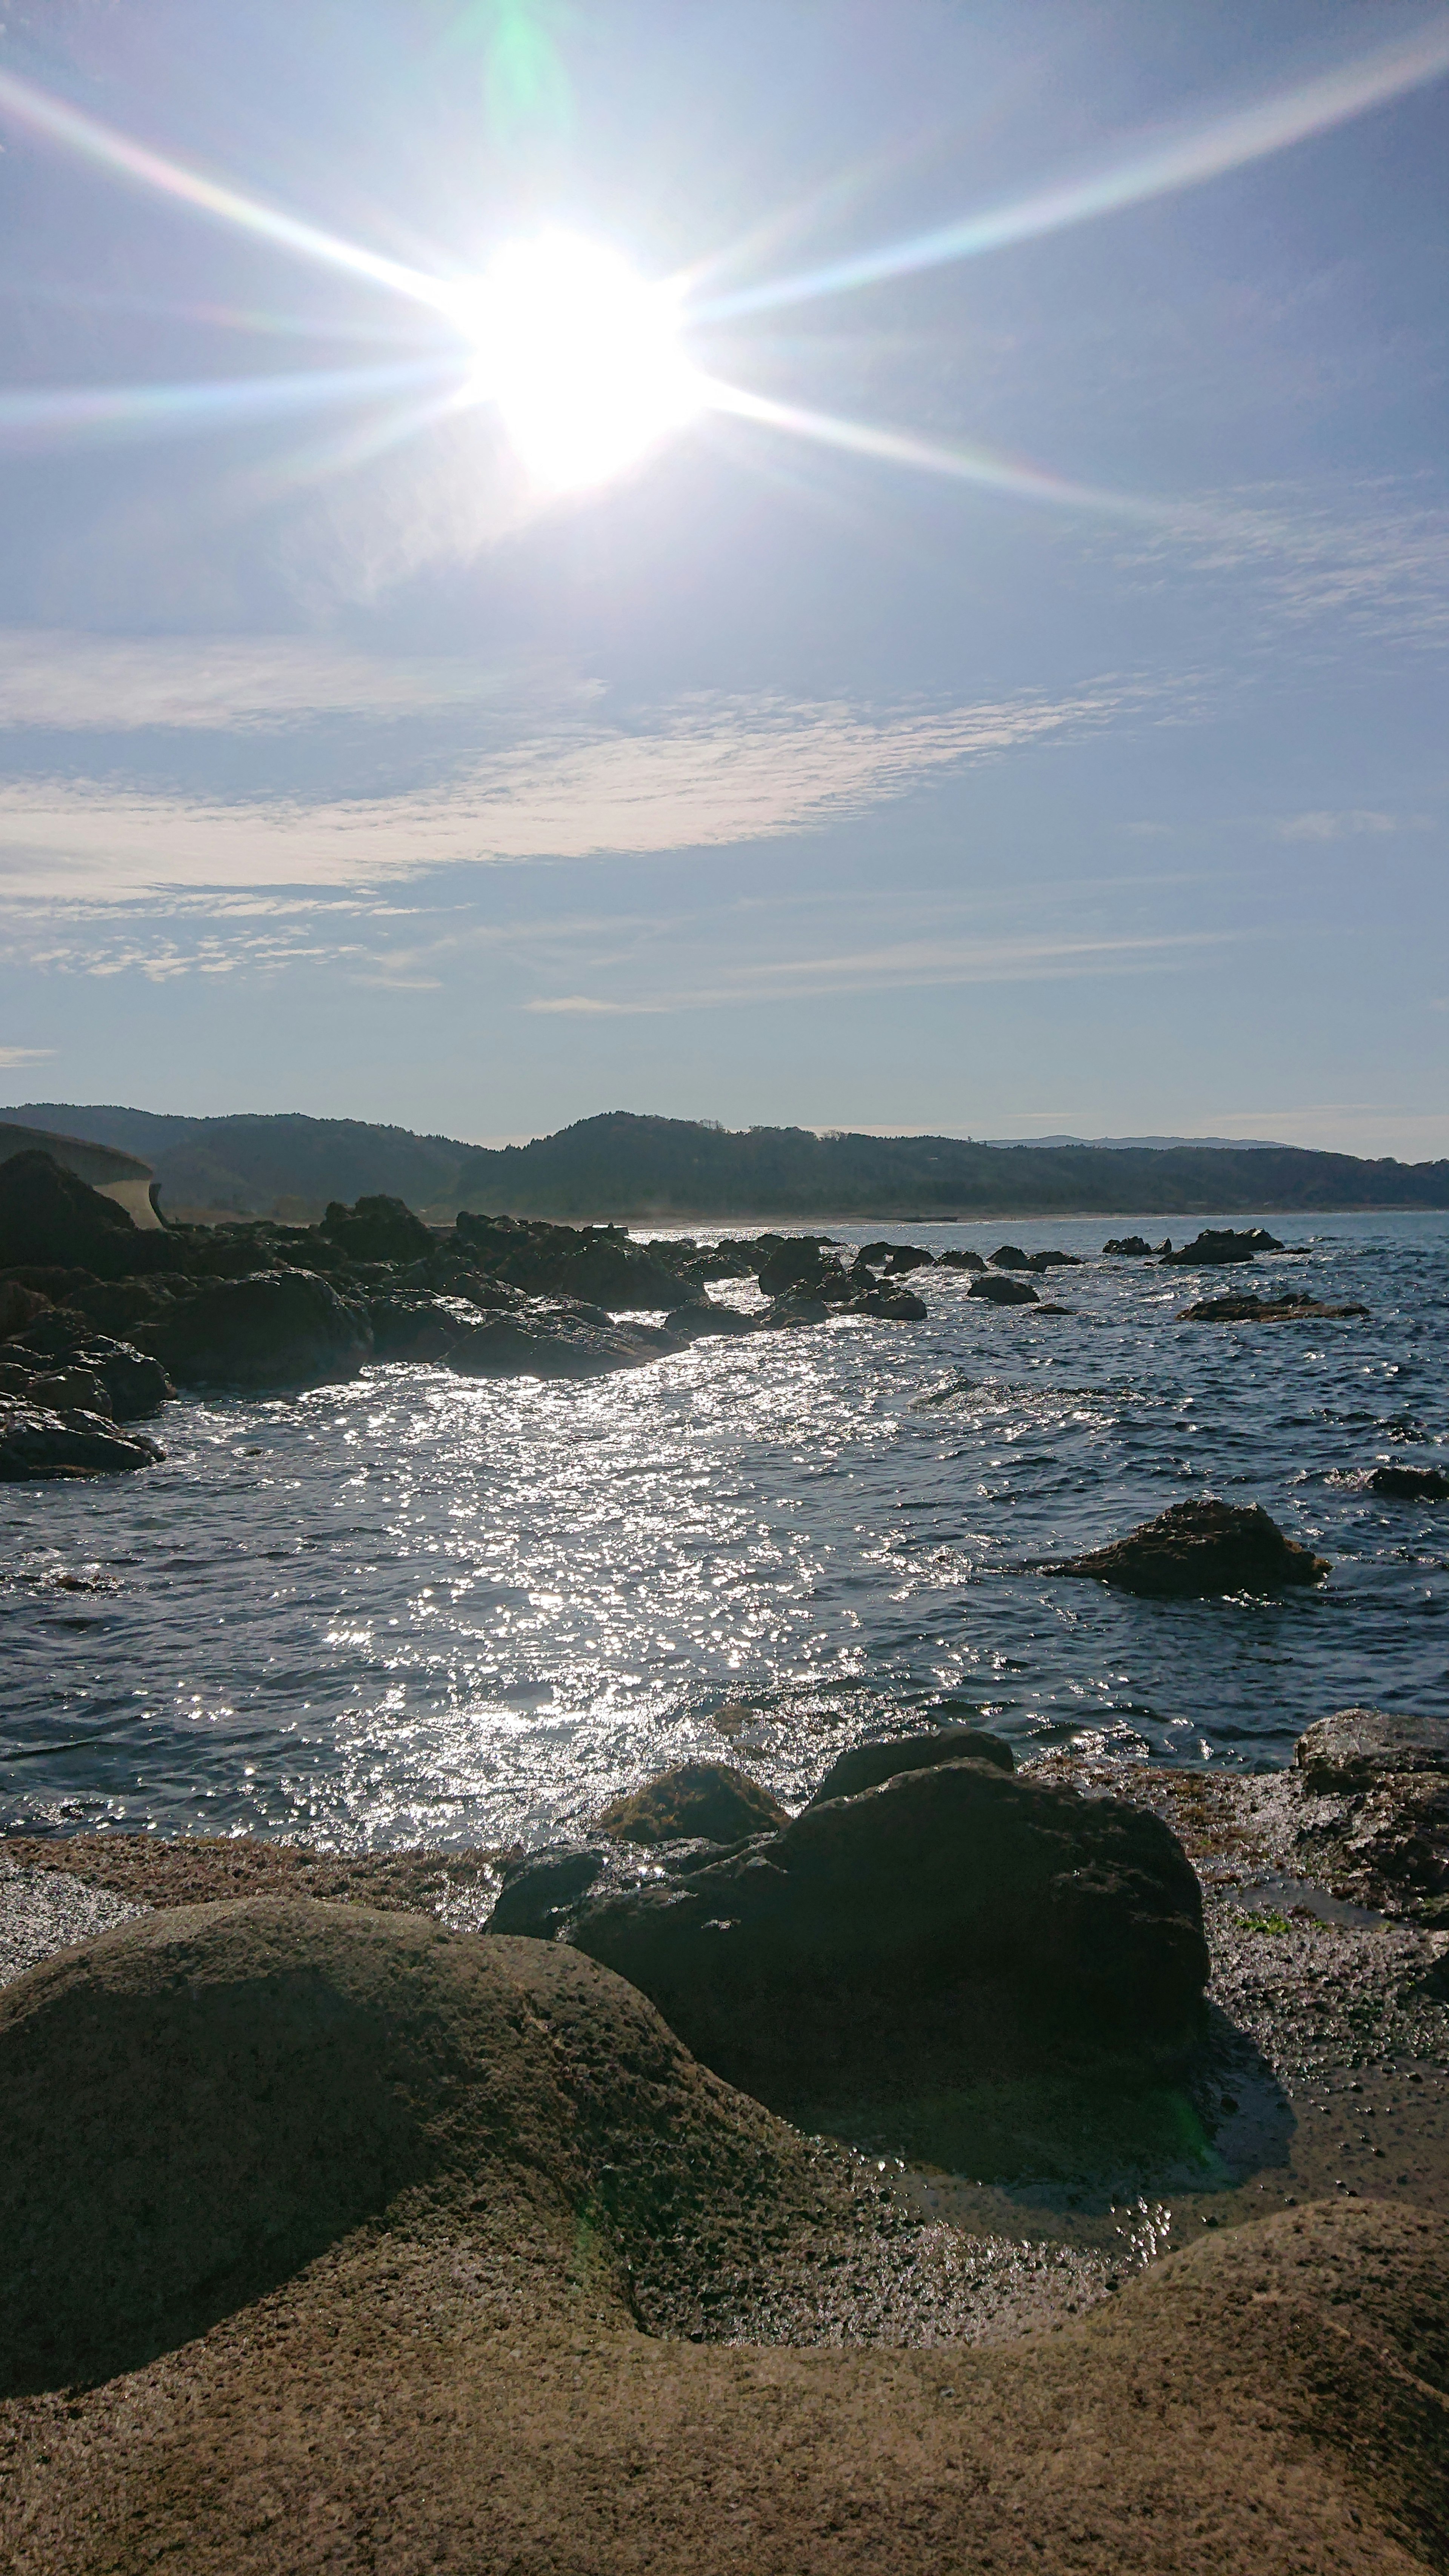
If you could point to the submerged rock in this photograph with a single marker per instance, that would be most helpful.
(1200, 1548)
(1409, 1484)
(1003, 1292)
(278, 1328)
(950, 1918)
(1220, 1244)
(865, 1766)
(711, 1800)
(40, 1445)
(1260, 1310)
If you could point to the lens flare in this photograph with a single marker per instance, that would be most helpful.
(582, 359)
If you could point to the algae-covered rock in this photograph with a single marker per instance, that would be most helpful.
(711, 1800)
(1199, 1548)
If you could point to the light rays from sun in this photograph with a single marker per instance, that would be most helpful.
(586, 364)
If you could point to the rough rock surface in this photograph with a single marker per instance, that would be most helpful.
(136, 1384)
(706, 1317)
(377, 1229)
(1196, 1549)
(1261, 1310)
(1003, 1292)
(555, 1341)
(486, 2373)
(1218, 1244)
(39, 1446)
(711, 1800)
(865, 1766)
(274, 1328)
(951, 1917)
(1409, 1484)
(1131, 1247)
(1356, 1746)
(960, 1258)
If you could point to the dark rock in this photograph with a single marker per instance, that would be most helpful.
(796, 1261)
(38, 1446)
(540, 1892)
(960, 1259)
(621, 1276)
(1041, 1261)
(796, 1309)
(409, 1326)
(135, 1382)
(709, 1799)
(1049, 1307)
(555, 1342)
(18, 1307)
(1260, 1310)
(118, 1305)
(598, 1262)
(377, 1229)
(1357, 1746)
(895, 1259)
(1003, 1292)
(952, 1918)
(1409, 1484)
(1009, 1256)
(865, 1766)
(1216, 1245)
(895, 1305)
(1200, 1548)
(694, 1323)
(278, 1328)
(1129, 1246)
(48, 1215)
(71, 1390)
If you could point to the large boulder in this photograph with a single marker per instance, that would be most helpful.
(999, 1291)
(709, 1800)
(1401, 1484)
(378, 1228)
(952, 1918)
(1218, 1244)
(278, 1328)
(1261, 1310)
(710, 1316)
(865, 1766)
(19, 1306)
(1009, 1256)
(796, 1261)
(1357, 1746)
(1199, 1548)
(563, 1342)
(48, 1214)
(411, 1324)
(960, 1258)
(135, 1381)
(1131, 1247)
(41, 1445)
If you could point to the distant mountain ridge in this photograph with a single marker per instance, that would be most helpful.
(676, 1169)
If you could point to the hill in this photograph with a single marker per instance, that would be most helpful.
(669, 1169)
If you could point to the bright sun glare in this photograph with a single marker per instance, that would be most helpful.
(581, 357)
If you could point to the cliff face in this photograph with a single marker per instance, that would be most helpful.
(678, 1168)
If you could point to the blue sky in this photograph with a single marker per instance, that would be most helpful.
(1024, 711)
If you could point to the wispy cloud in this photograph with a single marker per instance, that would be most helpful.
(13, 1055)
(905, 965)
(1355, 824)
(55, 681)
(704, 774)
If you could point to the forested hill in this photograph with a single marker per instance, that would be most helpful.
(664, 1168)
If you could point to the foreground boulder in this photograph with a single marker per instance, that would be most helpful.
(1218, 1244)
(1200, 1548)
(278, 1328)
(40, 1445)
(952, 1918)
(711, 1800)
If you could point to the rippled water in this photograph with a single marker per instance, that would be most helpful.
(422, 1608)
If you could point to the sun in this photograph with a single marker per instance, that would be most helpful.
(581, 357)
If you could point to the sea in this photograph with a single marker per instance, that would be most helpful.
(425, 1609)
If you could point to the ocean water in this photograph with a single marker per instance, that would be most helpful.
(419, 1608)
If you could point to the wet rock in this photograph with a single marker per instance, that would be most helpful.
(1221, 1244)
(377, 1228)
(1049, 1306)
(893, 1305)
(793, 1310)
(951, 1918)
(18, 1307)
(407, 1325)
(1201, 1548)
(1356, 1746)
(1409, 1484)
(622, 1276)
(598, 1263)
(708, 1799)
(1054, 1260)
(959, 1258)
(865, 1766)
(709, 1317)
(540, 1892)
(1130, 1247)
(38, 1445)
(1003, 1292)
(135, 1382)
(895, 1259)
(278, 1328)
(1260, 1310)
(71, 1390)
(1009, 1256)
(555, 1342)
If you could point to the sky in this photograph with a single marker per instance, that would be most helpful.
(851, 565)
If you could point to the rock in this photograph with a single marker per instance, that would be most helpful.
(895, 1305)
(278, 1328)
(960, 1259)
(49, 1215)
(597, 1263)
(136, 1384)
(1357, 1746)
(1216, 1245)
(706, 1799)
(1009, 1256)
(18, 1307)
(1048, 1306)
(1003, 1292)
(1056, 1260)
(1200, 1548)
(796, 1261)
(555, 1342)
(865, 1766)
(540, 1892)
(1133, 1247)
(378, 1228)
(38, 1445)
(708, 1317)
(953, 1917)
(407, 1325)
(896, 1259)
(1260, 1310)
(620, 1276)
(71, 1390)
(796, 1309)
(1409, 1484)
